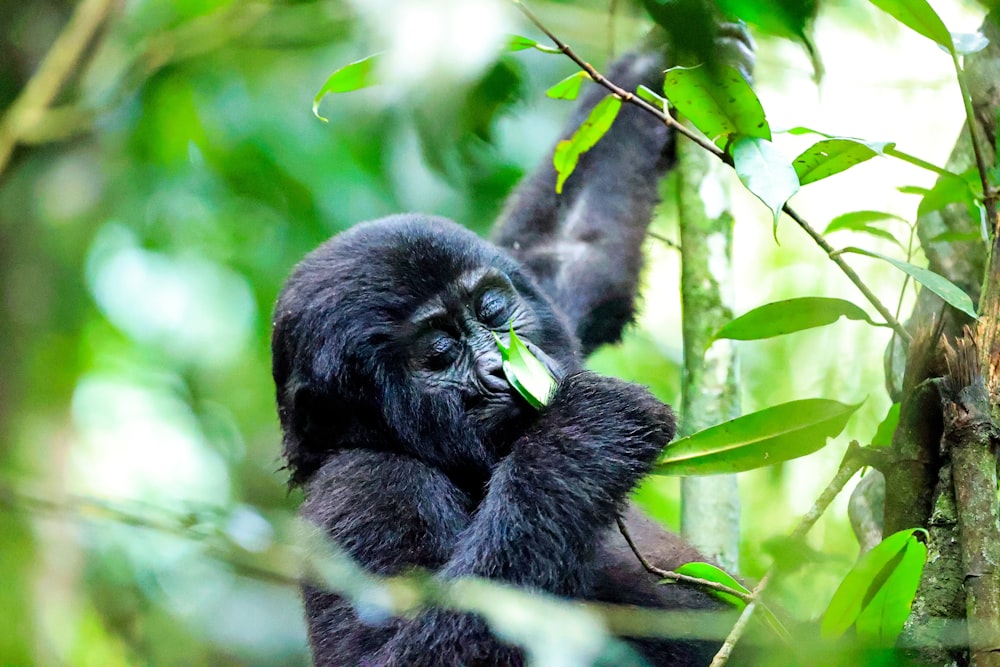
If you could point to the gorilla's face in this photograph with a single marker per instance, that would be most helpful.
(384, 336)
(453, 353)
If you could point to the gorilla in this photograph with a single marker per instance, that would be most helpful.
(411, 446)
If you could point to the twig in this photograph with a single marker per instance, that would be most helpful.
(677, 576)
(55, 69)
(624, 95)
(664, 240)
(854, 459)
(627, 96)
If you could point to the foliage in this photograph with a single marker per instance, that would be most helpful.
(143, 516)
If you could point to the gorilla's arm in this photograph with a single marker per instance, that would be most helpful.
(584, 245)
(538, 525)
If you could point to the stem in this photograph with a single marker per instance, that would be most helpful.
(677, 576)
(620, 92)
(55, 69)
(627, 96)
(917, 162)
(854, 459)
(970, 120)
(850, 273)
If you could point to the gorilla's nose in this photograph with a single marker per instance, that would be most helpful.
(489, 372)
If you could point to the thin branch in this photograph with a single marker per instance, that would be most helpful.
(855, 458)
(677, 576)
(849, 272)
(989, 197)
(627, 96)
(56, 68)
(664, 240)
(624, 95)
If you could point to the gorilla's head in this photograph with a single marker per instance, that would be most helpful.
(384, 338)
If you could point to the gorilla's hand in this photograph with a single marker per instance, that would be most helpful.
(596, 438)
(563, 483)
(621, 420)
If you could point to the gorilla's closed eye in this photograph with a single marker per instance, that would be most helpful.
(442, 352)
(494, 308)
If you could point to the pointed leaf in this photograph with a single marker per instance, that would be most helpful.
(568, 88)
(568, 151)
(882, 619)
(710, 572)
(936, 283)
(883, 434)
(831, 156)
(790, 315)
(765, 172)
(861, 585)
(769, 436)
(858, 220)
(355, 76)
(719, 102)
(519, 43)
(525, 372)
(917, 15)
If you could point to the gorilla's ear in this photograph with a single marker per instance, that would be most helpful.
(312, 429)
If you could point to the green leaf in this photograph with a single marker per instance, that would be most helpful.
(525, 372)
(518, 43)
(857, 221)
(832, 156)
(936, 283)
(917, 15)
(883, 434)
(874, 571)
(782, 317)
(763, 438)
(882, 619)
(568, 151)
(354, 76)
(948, 189)
(765, 172)
(712, 573)
(956, 237)
(568, 88)
(719, 102)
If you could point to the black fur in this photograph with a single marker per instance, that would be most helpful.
(407, 465)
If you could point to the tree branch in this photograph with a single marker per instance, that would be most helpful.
(56, 68)
(672, 123)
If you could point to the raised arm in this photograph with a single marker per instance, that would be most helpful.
(584, 245)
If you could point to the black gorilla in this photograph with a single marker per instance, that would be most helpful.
(412, 447)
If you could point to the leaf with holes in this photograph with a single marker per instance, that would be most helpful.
(832, 156)
(719, 102)
(763, 438)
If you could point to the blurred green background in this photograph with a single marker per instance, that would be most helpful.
(149, 218)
